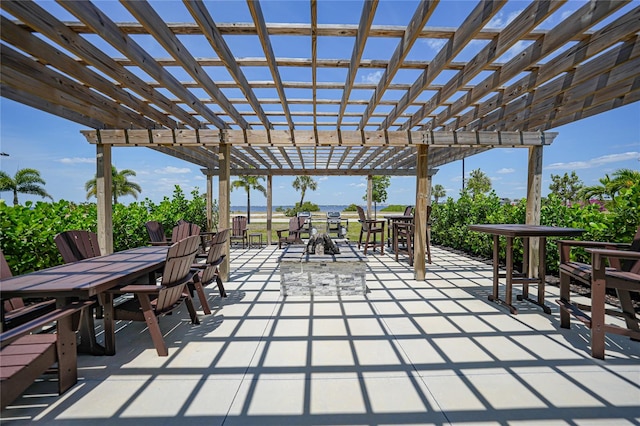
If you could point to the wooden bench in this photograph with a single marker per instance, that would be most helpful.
(25, 357)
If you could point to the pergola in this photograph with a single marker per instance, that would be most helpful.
(586, 64)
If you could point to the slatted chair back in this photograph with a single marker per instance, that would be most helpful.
(408, 210)
(5, 272)
(77, 245)
(363, 218)
(630, 265)
(176, 274)
(239, 226)
(215, 256)
(183, 230)
(156, 232)
(239, 229)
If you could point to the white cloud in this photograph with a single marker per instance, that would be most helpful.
(323, 178)
(514, 50)
(358, 185)
(505, 171)
(77, 160)
(372, 77)
(499, 21)
(436, 43)
(595, 162)
(171, 170)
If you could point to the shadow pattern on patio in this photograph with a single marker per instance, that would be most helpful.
(409, 352)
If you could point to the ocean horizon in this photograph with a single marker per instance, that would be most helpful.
(323, 208)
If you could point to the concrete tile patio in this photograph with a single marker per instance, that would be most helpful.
(434, 352)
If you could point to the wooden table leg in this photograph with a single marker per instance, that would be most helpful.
(542, 270)
(67, 352)
(109, 326)
(598, 286)
(526, 256)
(496, 249)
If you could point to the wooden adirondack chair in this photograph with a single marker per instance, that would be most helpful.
(370, 227)
(239, 229)
(74, 246)
(152, 301)
(208, 272)
(156, 233)
(77, 245)
(623, 275)
(296, 225)
(15, 310)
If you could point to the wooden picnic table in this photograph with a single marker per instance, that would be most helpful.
(511, 231)
(86, 279)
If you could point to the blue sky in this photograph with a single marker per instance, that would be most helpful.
(591, 147)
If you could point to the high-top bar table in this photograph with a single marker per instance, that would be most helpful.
(511, 231)
(86, 279)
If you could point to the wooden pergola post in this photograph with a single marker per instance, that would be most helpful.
(104, 196)
(269, 207)
(209, 202)
(534, 204)
(224, 206)
(420, 212)
(369, 195)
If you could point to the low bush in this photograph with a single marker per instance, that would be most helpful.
(28, 231)
(450, 222)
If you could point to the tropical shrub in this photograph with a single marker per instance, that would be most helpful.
(28, 231)
(307, 206)
(451, 219)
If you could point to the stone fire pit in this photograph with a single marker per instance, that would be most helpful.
(302, 273)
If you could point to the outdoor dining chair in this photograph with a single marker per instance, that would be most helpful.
(153, 301)
(296, 225)
(16, 311)
(370, 228)
(622, 275)
(207, 272)
(74, 246)
(239, 229)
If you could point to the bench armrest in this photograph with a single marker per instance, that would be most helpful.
(598, 255)
(8, 336)
(594, 244)
(565, 246)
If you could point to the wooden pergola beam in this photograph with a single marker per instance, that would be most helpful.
(320, 139)
(366, 19)
(202, 16)
(477, 19)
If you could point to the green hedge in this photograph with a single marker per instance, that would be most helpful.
(451, 220)
(28, 231)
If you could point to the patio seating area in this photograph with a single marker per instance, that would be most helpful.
(408, 352)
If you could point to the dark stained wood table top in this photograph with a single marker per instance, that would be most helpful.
(521, 230)
(88, 277)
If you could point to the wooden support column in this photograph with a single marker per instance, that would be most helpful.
(534, 201)
(104, 196)
(269, 207)
(224, 202)
(369, 195)
(209, 202)
(423, 192)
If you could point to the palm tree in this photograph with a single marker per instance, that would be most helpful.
(609, 188)
(302, 183)
(438, 192)
(248, 183)
(26, 181)
(478, 182)
(120, 185)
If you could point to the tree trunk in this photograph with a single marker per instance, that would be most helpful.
(15, 197)
(248, 206)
